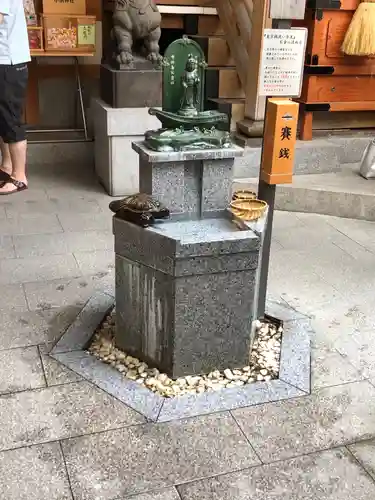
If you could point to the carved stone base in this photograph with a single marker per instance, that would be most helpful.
(130, 88)
(167, 140)
(251, 128)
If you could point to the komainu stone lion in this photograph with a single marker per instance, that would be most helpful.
(136, 23)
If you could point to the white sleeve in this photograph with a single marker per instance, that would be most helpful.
(5, 7)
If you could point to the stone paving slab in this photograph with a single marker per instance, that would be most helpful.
(56, 373)
(7, 250)
(295, 354)
(43, 415)
(336, 324)
(364, 452)
(282, 310)
(34, 473)
(51, 206)
(227, 399)
(358, 230)
(67, 292)
(329, 367)
(330, 475)
(21, 329)
(293, 280)
(331, 417)
(31, 194)
(79, 333)
(64, 243)
(13, 298)
(45, 268)
(117, 464)
(168, 494)
(345, 273)
(358, 347)
(113, 382)
(95, 262)
(20, 370)
(58, 321)
(44, 224)
(316, 233)
(86, 222)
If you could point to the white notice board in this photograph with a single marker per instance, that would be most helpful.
(282, 62)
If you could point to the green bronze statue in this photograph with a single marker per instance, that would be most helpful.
(185, 123)
(190, 81)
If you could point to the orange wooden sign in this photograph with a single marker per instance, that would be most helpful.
(279, 141)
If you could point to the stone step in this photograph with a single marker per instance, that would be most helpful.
(321, 155)
(215, 49)
(47, 149)
(341, 194)
(234, 108)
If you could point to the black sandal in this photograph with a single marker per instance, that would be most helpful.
(19, 186)
(4, 176)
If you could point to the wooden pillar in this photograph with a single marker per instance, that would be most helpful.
(287, 9)
(255, 105)
(306, 128)
(236, 45)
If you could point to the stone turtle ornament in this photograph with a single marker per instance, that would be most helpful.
(141, 209)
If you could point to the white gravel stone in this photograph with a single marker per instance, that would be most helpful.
(228, 374)
(264, 361)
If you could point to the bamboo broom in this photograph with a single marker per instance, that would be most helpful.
(360, 37)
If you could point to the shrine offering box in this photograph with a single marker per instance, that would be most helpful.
(69, 33)
(333, 81)
(35, 34)
(76, 7)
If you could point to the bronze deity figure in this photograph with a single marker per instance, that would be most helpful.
(190, 84)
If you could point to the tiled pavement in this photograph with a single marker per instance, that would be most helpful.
(62, 438)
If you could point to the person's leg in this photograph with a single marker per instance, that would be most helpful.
(14, 136)
(18, 158)
(17, 152)
(6, 161)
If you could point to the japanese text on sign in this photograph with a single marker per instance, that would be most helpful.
(285, 135)
(86, 34)
(282, 62)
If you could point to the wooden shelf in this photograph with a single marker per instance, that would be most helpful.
(37, 53)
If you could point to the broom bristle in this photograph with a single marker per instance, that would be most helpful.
(360, 37)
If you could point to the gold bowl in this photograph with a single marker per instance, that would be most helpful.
(244, 194)
(248, 209)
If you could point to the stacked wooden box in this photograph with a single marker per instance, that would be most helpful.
(63, 27)
(333, 81)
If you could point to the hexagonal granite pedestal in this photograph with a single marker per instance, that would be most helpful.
(293, 381)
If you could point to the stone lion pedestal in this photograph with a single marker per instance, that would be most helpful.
(130, 83)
